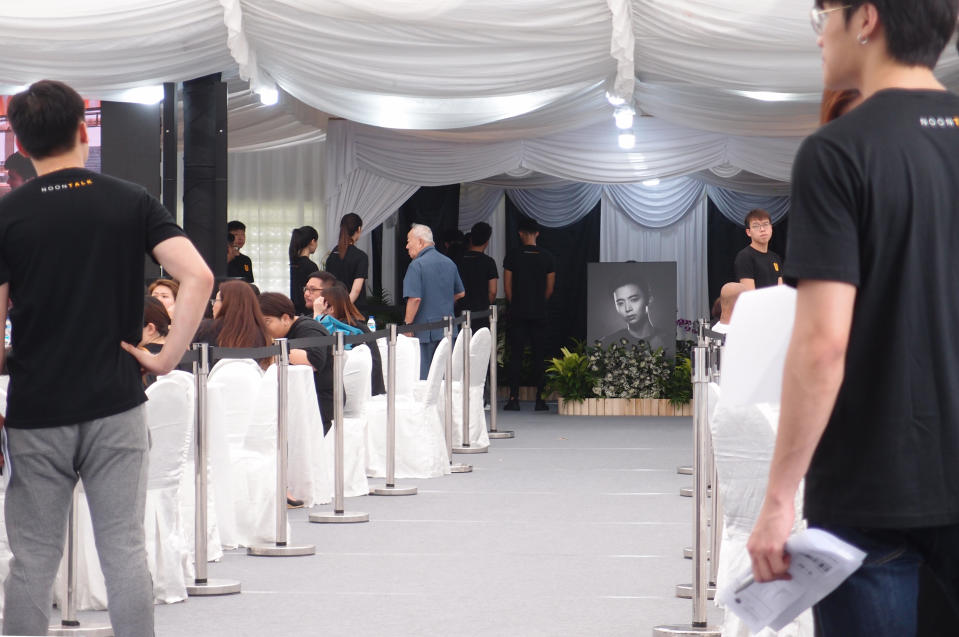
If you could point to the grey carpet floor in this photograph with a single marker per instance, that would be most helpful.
(574, 527)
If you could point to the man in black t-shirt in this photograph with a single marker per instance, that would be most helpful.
(479, 275)
(870, 411)
(529, 276)
(238, 265)
(756, 265)
(75, 402)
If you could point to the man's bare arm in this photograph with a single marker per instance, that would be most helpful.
(492, 291)
(180, 258)
(508, 285)
(811, 380)
(412, 307)
(749, 284)
(458, 296)
(550, 284)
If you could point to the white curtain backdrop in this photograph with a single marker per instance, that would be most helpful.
(735, 205)
(557, 206)
(273, 192)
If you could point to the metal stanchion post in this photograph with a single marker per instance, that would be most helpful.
(69, 624)
(716, 516)
(699, 625)
(338, 515)
(391, 488)
(465, 386)
(281, 548)
(494, 433)
(455, 467)
(203, 586)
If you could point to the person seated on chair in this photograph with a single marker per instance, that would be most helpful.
(318, 281)
(165, 290)
(156, 326)
(340, 315)
(237, 320)
(727, 299)
(281, 321)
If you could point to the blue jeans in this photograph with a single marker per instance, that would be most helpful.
(427, 349)
(880, 599)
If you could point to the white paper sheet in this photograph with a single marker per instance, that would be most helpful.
(819, 563)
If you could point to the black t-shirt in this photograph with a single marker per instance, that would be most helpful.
(356, 265)
(874, 201)
(321, 358)
(476, 271)
(300, 271)
(764, 268)
(240, 268)
(529, 265)
(66, 365)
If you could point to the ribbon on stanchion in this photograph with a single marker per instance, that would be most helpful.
(493, 432)
(338, 515)
(69, 624)
(699, 624)
(203, 586)
(390, 488)
(280, 547)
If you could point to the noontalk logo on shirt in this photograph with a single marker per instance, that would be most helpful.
(940, 122)
(70, 185)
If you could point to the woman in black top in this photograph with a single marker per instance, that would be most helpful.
(302, 245)
(348, 263)
(282, 322)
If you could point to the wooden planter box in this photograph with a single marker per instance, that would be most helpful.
(623, 407)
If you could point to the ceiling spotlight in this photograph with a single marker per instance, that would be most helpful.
(269, 96)
(624, 117)
(615, 100)
(651, 182)
(627, 140)
(143, 94)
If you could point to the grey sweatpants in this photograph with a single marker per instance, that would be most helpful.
(110, 455)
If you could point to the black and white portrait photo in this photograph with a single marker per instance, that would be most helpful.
(632, 301)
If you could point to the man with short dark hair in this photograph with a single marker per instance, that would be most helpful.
(239, 266)
(75, 404)
(19, 170)
(756, 265)
(315, 284)
(529, 276)
(631, 299)
(479, 275)
(870, 411)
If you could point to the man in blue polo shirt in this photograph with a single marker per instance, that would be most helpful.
(431, 285)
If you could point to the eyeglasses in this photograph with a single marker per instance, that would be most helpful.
(760, 226)
(215, 301)
(818, 17)
(312, 290)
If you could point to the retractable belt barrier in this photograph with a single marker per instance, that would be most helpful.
(701, 450)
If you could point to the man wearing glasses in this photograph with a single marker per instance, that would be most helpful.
(756, 265)
(870, 411)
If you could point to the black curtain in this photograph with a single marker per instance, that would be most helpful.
(435, 206)
(572, 247)
(724, 239)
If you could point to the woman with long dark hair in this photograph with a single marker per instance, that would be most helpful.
(237, 320)
(348, 263)
(282, 322)
(302, 245)
(342, 316)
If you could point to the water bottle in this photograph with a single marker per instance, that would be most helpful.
(370, 323)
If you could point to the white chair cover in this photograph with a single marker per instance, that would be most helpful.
(480, 348)
(407, 353)
(308, 470)
(420, 442)
(458, 357)
(356, 385)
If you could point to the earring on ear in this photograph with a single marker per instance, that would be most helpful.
(862, 39)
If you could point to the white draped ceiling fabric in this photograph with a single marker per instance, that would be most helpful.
(509, 92)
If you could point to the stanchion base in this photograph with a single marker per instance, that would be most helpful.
(346, 517)
(213, 587)
(470, 449)
(394, 490)
(86, 631)
(458, 467)
(272, 550)
(684, 470)
(682, 630)
(685, 591)
(686, 492)
(688, 553)
(499, 433)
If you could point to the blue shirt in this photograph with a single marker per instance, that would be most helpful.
(433, 279)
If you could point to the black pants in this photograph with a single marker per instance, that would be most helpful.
(520, 332)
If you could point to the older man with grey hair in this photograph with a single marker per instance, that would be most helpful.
(431, 285)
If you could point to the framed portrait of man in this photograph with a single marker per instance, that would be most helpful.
(632, 301)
